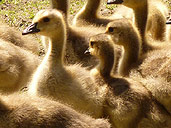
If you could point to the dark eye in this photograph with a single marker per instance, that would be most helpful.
(91, 43)
(46, 19)
(110, 29)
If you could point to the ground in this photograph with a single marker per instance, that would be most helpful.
(19, 13)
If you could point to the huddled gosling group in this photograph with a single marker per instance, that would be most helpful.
(97, 72)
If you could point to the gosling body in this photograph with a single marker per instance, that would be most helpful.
(21, 110)
(16, 66)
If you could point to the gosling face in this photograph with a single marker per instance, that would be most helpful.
(46, 23)
(93, 48)
(98, 45)
(118, 30)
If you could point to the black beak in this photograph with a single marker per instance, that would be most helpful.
(31, 29)
(168, 22)
(87, 52)
(114, 1)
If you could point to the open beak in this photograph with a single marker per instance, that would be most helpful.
(114, 1)
(87, 52)
(31, 29)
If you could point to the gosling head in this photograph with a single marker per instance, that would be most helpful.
(128, 3)
(99, 46)
(121, 31)
(46, 23)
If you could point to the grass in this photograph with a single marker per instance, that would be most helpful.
(75, 6)
(19, 13)
(168, 3)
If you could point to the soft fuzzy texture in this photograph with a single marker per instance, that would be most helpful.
(16, 66)
(22, 111)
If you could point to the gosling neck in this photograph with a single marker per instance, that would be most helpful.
(57, 49)
(90, 9)
(61, 5)
(3, 107)
(141, 14)
(106, 63)
(131, 53)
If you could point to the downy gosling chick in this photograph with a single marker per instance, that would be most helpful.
(15, 37)
(71, 85)
(16, 66)
(154, 66)
(148, 15)
(23, 111)
(123, 32)
(77, 37)
(88, 15)
(129, 104)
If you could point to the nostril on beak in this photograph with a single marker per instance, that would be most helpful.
(31, 29)
(87, 52)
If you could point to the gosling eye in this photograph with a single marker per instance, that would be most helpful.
(92, 43)
(111, 29)
(46, 19)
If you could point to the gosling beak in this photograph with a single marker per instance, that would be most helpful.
(87, 52)
(114, 1)
(168, 22)
(31, 29)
